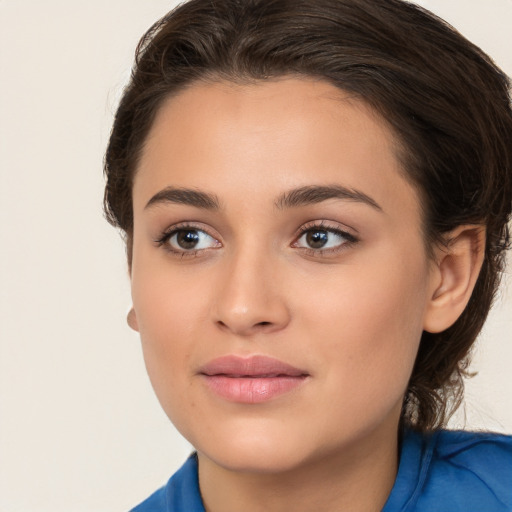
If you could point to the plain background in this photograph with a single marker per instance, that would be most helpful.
(80, 429)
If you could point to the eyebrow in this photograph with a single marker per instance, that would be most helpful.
(316, 194)
(301, 196)
(186, 196)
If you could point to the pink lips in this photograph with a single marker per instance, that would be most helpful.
(250, 380)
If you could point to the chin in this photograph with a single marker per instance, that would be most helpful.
(253, 450)
(253, 459)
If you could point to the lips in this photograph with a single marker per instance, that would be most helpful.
(250, 380)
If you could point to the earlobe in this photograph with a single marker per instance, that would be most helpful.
(131, 319)
(458, 265)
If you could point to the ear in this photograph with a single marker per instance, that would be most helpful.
(456, 269)
(131, 319)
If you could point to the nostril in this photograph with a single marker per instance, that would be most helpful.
(263, 323)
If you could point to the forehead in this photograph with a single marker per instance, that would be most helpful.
(237, 140)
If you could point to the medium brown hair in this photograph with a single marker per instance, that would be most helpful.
(445, 100)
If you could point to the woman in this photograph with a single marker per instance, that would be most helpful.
(315, 197)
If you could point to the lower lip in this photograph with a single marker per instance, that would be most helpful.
(252, 390)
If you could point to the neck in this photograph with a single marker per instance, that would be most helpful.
(358, 478)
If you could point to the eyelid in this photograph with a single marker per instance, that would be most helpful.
(320, 225)
(324, 225)
(169, 232)
(327, 225)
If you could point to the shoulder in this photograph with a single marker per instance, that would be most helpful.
(455, 444)
(155, 503)
(469, 471)
(180, 494)
(453, 471)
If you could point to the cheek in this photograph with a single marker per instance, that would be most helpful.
(369, 322)
(167, 301)
(170, 311)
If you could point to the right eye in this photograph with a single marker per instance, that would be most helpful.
(185, 240)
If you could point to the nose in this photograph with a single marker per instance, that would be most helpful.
(251, 298)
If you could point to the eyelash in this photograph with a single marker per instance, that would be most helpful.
(350, 240)
(163, 240)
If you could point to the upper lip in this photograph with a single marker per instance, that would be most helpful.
(253, 366)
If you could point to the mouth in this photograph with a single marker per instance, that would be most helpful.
(251, 380)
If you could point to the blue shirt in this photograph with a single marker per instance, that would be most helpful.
(447, 471)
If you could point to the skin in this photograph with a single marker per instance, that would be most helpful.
(351, 314)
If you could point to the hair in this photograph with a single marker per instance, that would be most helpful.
(445, 100)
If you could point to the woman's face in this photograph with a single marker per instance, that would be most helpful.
(272, 220)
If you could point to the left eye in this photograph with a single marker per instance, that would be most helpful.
(322, 239)
(190, 240)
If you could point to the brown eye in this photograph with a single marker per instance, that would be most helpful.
(189, 239)
(323, 239)
(317, 239)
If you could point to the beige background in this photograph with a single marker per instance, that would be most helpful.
(80, 429)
